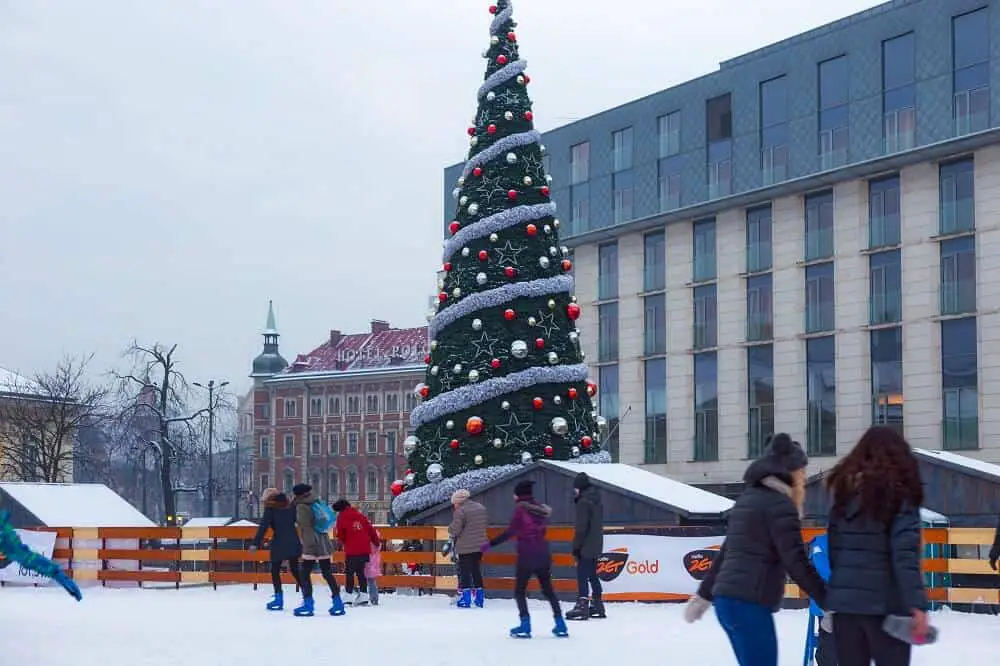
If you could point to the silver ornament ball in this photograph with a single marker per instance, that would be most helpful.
(555, 223)
(575, 451)
(547, 229)
(553, 251)
(532, 321)
(505, 405)
(553, 358)
(461, 180)
(557, 399)
(507, 115)
(511, 158)
(519, 349)
(435, 370)
(473, 376)
(490, 96)
(435, 473)
(478, 460)
(464, 200)
(494, 40)
(466, 252)
(409, 479)
(559, 426)
(434, 345)
(473, 140)
(525, 458)
(552, 304)
(602, 423)
(456, 293)
(497, 443)
(477, 324)
(450, 425)
(494, 238)
(564, 250)
(457, 369)
(473, 208)
(543, 262)
(456, 192)
(527, 181)
(480, 279)
(410, 445)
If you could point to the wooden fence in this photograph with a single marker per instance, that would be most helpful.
(954, 564)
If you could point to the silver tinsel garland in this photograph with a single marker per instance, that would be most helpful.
(494, 223)
(501, 18)
(502, 75)
(504, 145)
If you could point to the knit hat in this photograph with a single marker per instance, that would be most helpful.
(582, 481)
(301, 489)
(524, 488)
(786, 452)
(340, 505)
(268, 494)
(460, 496)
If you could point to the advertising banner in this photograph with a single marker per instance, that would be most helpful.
(643, 567)
(43, 543)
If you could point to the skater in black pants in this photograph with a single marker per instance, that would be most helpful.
(279, 517)
(588, 544)
(468, 531)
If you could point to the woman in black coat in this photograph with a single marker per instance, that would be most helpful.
(875, 549)
(763, 544)
(279, 516)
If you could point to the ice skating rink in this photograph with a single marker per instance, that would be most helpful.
(201, 627)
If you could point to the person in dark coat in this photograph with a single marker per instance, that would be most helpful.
(875, 549)
(468, 532)
(285, 547)
(746, 582)
(534, 559)
(588, 544)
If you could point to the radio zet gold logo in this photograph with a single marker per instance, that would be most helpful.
(611, 564)
(698, 562)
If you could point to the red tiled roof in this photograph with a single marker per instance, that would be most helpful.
(364, 351)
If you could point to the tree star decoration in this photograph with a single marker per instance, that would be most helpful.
(547, 323)
(437, 445)
(578, 414)
(485, 347)
(514, 432)
(508, 254)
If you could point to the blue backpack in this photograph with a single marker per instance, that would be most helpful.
(323, 516)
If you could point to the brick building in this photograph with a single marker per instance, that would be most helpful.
(336, 417)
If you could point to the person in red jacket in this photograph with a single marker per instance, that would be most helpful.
(357, 536)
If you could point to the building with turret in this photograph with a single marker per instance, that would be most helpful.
(335, 417)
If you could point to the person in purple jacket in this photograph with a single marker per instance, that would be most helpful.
(528, 525)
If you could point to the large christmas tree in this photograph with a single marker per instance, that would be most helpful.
(506, 383)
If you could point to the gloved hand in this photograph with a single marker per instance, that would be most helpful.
(485, 547)
(695, 608)
(994, 556)
(252, 549)
(826, 622)
(69, 585)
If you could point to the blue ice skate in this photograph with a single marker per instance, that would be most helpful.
(307, 609)
(277, 603)
(559, 630)
(522, 630)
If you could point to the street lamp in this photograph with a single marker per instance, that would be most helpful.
(144, 446)
(210, 387)
(391, 518)
(237, 476)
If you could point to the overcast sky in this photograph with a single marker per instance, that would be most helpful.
(168, 166)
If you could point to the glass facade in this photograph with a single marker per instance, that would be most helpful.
(970, 37)
(821, 396)
(706, 407)
(959, 384)
(886, 353)
(654, 261)
(655, 378)
(704, 250)
(899, 93)
(760, 398)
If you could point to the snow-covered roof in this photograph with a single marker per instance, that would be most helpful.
(243, 523)
(76, 505)
(929, 516)
(974, 466)
(665, 490)
(209, 521)
(12, 382)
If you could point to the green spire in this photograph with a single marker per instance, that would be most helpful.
(271, 327)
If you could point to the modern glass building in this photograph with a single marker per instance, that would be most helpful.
(802, 241)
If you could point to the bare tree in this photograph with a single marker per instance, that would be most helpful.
(155, 408)
(41, 418)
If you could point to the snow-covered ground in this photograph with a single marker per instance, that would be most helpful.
(44, 627)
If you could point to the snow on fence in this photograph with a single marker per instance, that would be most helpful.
(412, 559)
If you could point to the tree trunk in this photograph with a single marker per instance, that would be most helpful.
(169, 510)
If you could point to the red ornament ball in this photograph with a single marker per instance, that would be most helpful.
(447, 266)
(549, 451)
(501, 59)
(509, 271)
(396, 488)
(545, 190)
(511, 37)
(493, 9)
(509, 314)
(472, 131)
(454, 226)
(573, 311)
(495, 363)
(512, 194)
(539, 343)
(527, 79)
(591, 389)
(442, 297)
(477, 172)
(529, 116)
(532, 230)
(474, 425)
(537, 403)
(454, 444)
(587, 441)
(573, 393)
(567, 265)
(483, 255)
(427, 359)
(425, 391)
(491, 129)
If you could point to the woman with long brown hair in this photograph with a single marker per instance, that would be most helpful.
(874, 545)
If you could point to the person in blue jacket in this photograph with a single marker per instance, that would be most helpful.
(13, 549)
(826, 654)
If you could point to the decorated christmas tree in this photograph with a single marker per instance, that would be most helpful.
(506, 384)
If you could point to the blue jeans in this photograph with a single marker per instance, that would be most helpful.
(373, 591)
(750, 628)
(586, 577)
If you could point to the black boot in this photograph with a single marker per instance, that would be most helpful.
(581, 611)
(597, 609)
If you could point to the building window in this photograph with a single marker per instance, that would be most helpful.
(957, 211)
(668, 187)
(334, 442)
(352, 483)
(291, 408)
(655, 377)
(265, 447)
(265, 482)
(959, 383)
(719, 118)
(760, 398)
(289, 481)
(579, 210)
(607, 332)
(315, 444)
(353, 404)
(352, 443)
(410, 401)
(759, 239)
(971, 78)
(834, 112)
(371, 483)
(316, 407)
(289, 446)
(706, 329)
(655, 324)
(622, 149)
(887, 377)
(654, 261)
(623, 197)
(899, 93)
(607, 376)
(706, 407)
(607, 271)
(820, 300)
(668, 130)
(371, 404)
(883, 212)
(391, 403)
(334, 477)
(704, 250)
(333, 406)
(371, 443)
(579, 163)
(265, 410)
(819, 226)
(958, 275)
(774, 130)
(760, 308)
(821, 396)
(885, 278)
(390, 443)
